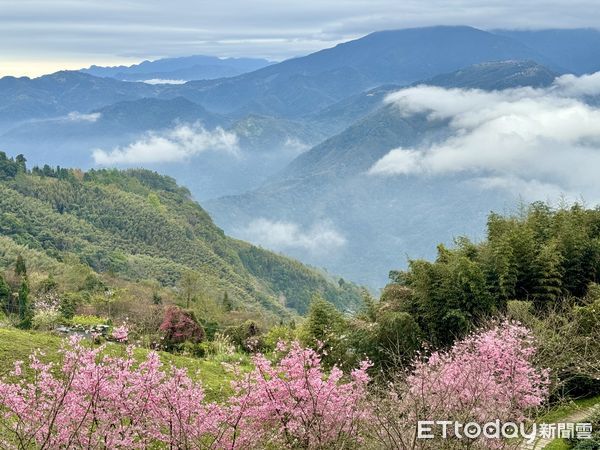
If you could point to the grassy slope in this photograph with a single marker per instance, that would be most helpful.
(18, 345)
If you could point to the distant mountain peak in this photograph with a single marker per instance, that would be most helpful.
(496, 75)
(185, 68)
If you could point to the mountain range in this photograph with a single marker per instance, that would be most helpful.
(285, 148)
(178, 70)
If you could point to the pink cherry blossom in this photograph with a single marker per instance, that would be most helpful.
(121, 334)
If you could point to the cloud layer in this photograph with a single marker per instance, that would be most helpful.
(175, 145)
(48, 32)
(320, 238)
(530, 141)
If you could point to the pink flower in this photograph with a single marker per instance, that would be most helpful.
(121, 334)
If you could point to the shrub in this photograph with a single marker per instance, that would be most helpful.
(221, 345)
(89, 321)
(246, 336)
(180, 326)
(45, 320)
(278, 333)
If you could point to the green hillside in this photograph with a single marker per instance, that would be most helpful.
(139, 227)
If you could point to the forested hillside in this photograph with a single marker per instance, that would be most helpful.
(139, 227)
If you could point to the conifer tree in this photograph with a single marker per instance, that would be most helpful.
(227, 303)
(4, 294)
(25, 310)
(20, 267)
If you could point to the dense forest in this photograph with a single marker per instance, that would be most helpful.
(139, 236)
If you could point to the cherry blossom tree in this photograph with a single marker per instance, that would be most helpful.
(94, 400)
(488, 376)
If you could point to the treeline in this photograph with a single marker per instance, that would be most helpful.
(136, 228)
(540, 267)
(543, 256)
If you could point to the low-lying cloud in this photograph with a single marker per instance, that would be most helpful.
(525, 140)
(175, 145)
(80, 117)
(320, 238)
(163, 81)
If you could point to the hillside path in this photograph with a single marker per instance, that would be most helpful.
(576, 417)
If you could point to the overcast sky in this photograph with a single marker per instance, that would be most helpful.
(42, 36)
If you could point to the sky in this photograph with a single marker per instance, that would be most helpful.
(42, 36)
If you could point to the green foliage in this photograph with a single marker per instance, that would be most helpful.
(542, 256)
(89, 321)
(25, 309)
(246, 336)
(138, 225)
(20, 267)
(227, 302)
(322, 322)
(68, 305)
(325, 329)
(5, 292)
(9, 167)
(284, 333)
(398, 337)
(46, 320)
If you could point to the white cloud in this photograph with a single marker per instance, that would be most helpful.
(526, 140)
(161, 81)
(579, 86)
(320, 238)
(528, 189)
(295, 146)
(79, 117)
(177, 144)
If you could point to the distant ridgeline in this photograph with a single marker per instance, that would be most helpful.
(137, 226)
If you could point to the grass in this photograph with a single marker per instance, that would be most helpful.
(560, 413)
(18, 345)
(565, 410)
(557, 444)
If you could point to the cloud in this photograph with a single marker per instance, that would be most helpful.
(161, 81)
(175, 145)
(90, 31)
(79, 117)
(525, 140)
(579, 86)
(320, 238)
(295, 146)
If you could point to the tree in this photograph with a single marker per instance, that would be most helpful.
(398, 338)
(324, 329)
(180, 326)
(25, 309)
(246, 335)
(95, 400)
(227, 303)
(487, 376)
(5, 293)
(323, 321)
(548, 286)
(189, 285)
(21, 162)
(20, 267)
